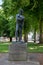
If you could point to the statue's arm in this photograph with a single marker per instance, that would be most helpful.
(23, 22)
(18, 17)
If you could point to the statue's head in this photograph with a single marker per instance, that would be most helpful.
(20, 11)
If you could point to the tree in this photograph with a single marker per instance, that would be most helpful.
(10, 9)
(40, 19)
(32, 8)
(3, 23)
(11, 27)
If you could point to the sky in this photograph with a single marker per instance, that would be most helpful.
(0, 2)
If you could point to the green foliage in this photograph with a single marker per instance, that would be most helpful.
(3, 23)
(33, 10)
(12, 26)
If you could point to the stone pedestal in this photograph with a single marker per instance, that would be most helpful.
(18, 51)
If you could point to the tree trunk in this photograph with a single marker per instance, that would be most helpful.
(26, 37)
(34, 35)
(10, 39)
(41, 36)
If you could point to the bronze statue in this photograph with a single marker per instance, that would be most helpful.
(19, 25)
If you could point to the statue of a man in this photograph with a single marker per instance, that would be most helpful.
(19, 25)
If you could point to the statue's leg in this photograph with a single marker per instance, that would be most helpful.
(16, 33)
(20, 34)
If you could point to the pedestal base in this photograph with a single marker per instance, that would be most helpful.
(18, 51)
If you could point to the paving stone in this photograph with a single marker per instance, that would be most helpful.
(4, 61)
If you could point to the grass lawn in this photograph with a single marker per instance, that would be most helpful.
(31, 47)
(4, 47)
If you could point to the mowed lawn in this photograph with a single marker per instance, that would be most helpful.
(4, 47)
(34, 47)
(31, 47)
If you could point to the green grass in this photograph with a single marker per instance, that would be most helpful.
(31, 47)
(4, 47)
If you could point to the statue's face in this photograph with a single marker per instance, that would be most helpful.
(20, 11)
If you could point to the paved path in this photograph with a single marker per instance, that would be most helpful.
(31, 60)
(36, 57)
